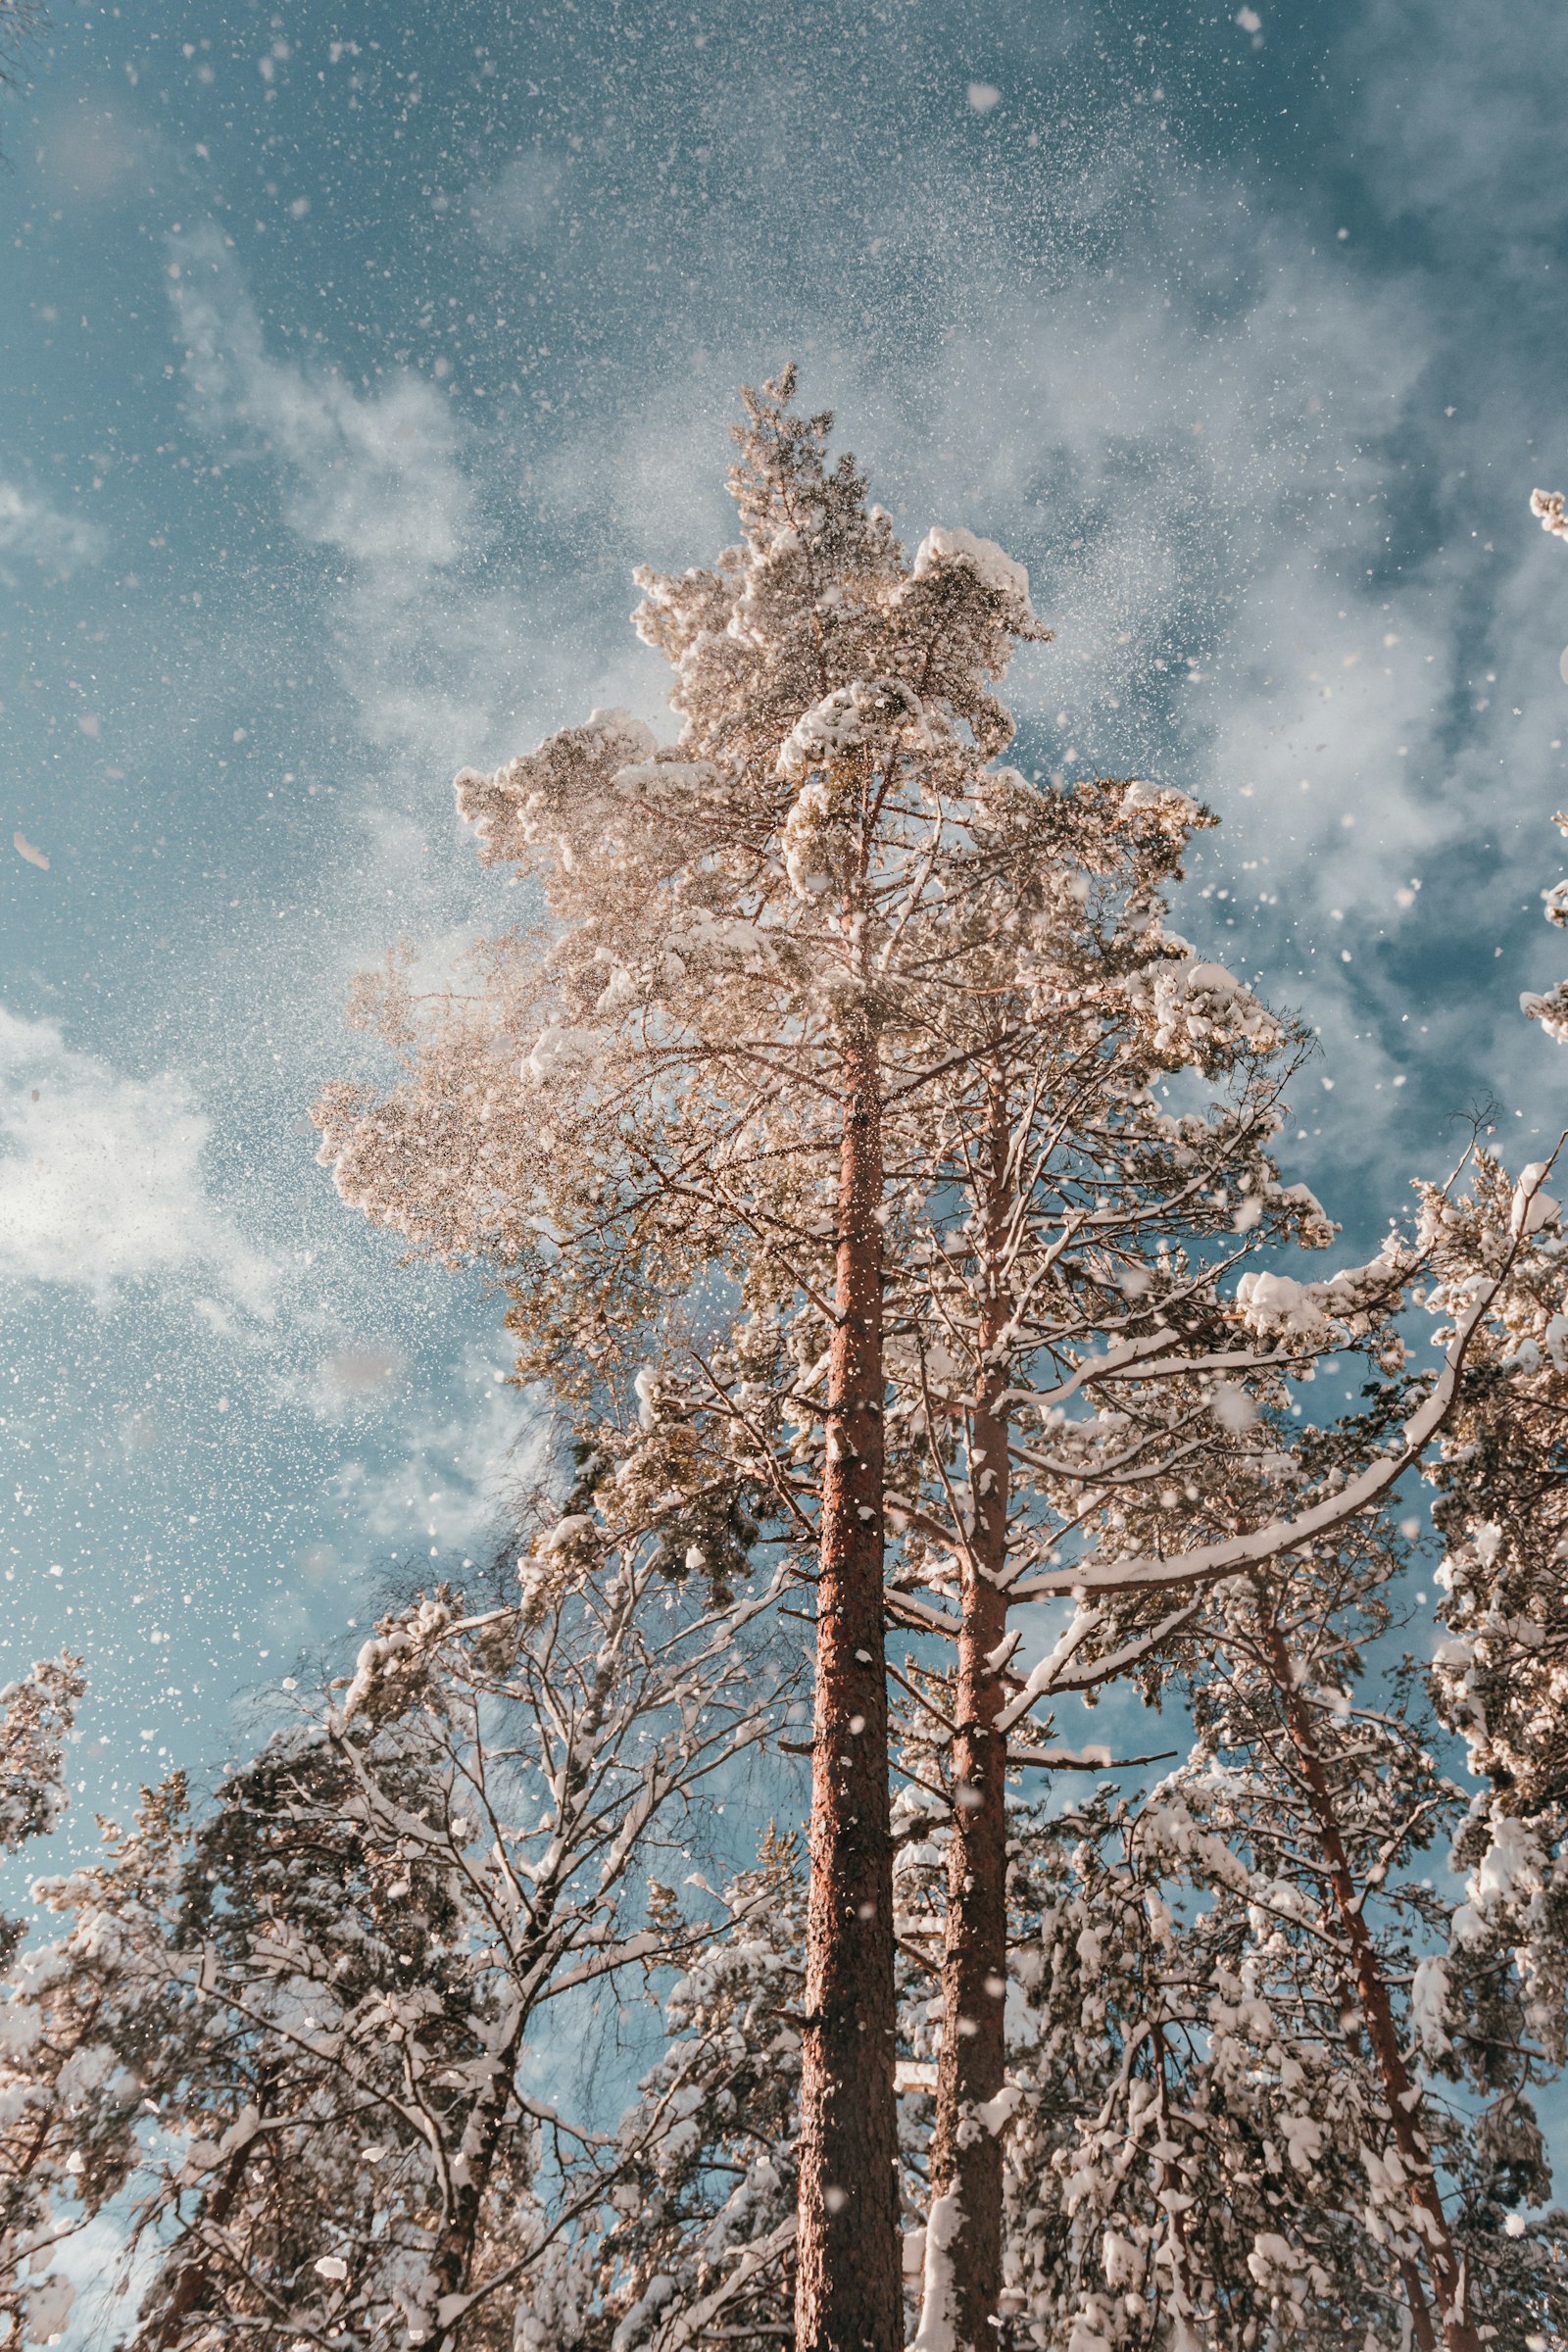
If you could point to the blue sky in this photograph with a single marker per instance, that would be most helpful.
(353, 354)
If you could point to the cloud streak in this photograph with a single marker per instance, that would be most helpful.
(102, 1185)
(381, 482)
(33, 531)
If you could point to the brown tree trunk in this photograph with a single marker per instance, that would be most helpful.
(1444, 2266)
(848, 2292)
(1415, 2294)
(188, 2292)
(452, 2262)
(972, 2064)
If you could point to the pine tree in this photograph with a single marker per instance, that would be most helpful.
(727, 1030)
(1075, 1266)
(701, 2228)
(1333, 1801)
(1499, 1481)
(1067, 1253)
(1228, 2127)
(1497, 1676)
(37, 1714)
(1199, 2149)
(1173, 2177)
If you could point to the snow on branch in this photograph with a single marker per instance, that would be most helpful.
(1206, 1563)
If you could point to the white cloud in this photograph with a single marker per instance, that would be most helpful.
(648, 480)
(519, 207)
(1328, 734)
(101, 1178)
(378, 481)
(1476, 133)
(377, 478)
(457, 1468)
(35, 531)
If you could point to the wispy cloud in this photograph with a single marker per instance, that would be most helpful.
(33, 531)
(459, 1467)
(381, 482)
(101, 1179)
(519, 207)
(1459, 114)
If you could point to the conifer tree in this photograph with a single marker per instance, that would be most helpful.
(1090, 1362)
(726, 1033)
(37, 1713)
(700, 2227)
(1334, 1798)
(1224, 2121)
(299, 2032)
(1499, 1677)
(1073, 1235)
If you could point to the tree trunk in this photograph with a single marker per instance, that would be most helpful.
(1415, 2294)
(1444, 2266)
(848, 2292)
(963, 2261)
(451, 2260)
(188, 2292)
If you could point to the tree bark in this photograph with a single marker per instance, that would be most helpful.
(972, 2064)
(1415, 2294)
(1443, 2263)
(849, 2291)
(452, 2261)
(188, 2292)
